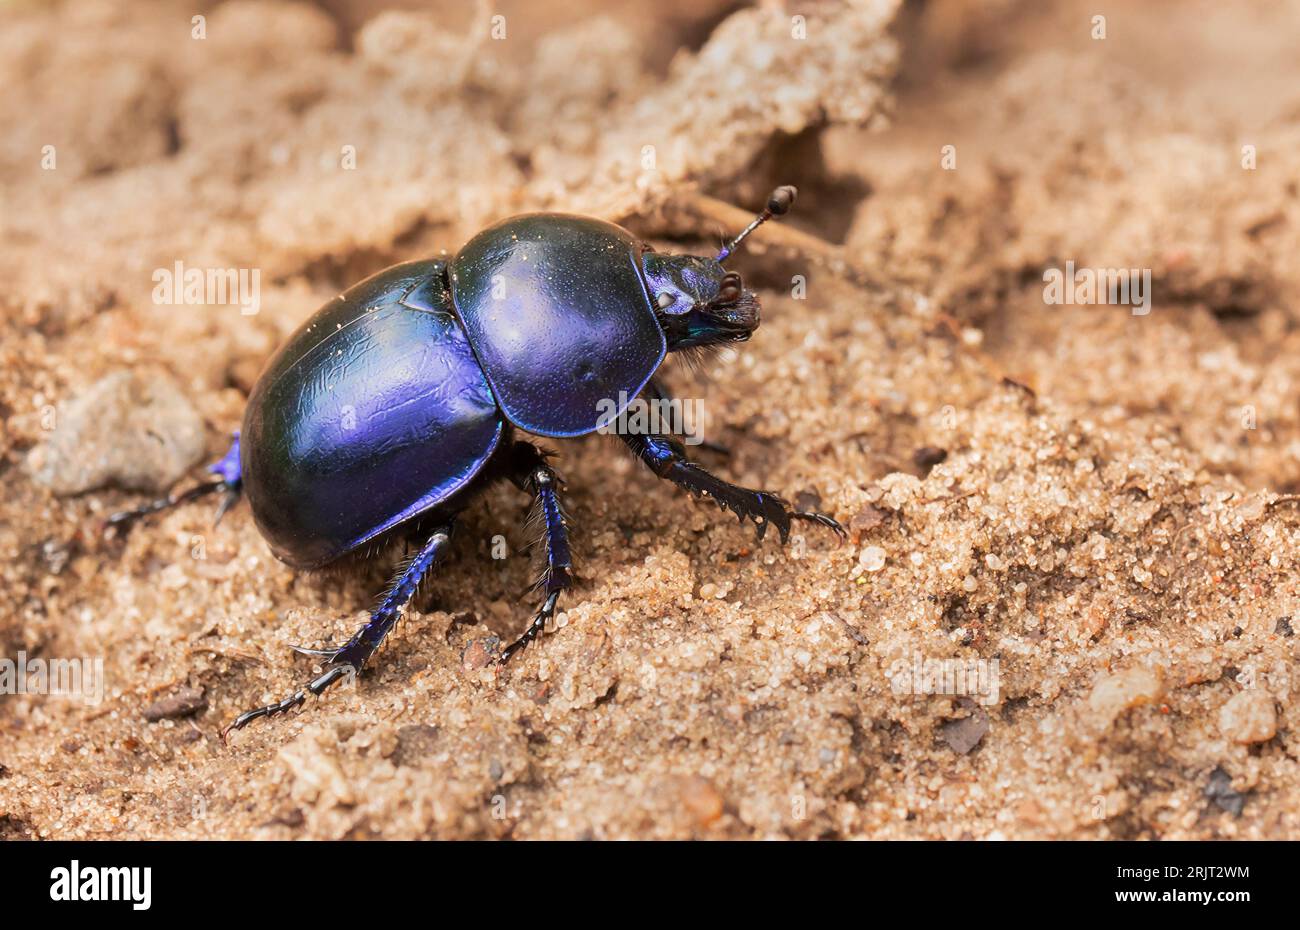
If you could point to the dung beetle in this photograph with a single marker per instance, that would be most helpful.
(398, 402)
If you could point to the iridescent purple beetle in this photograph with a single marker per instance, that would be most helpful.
(393, 406)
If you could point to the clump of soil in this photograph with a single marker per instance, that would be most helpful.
(1087, 510)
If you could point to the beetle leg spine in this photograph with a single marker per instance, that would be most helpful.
(533, 472)
(349, 659)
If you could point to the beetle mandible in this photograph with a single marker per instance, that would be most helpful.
(394, 405)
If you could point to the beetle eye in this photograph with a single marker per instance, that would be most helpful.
(730, 289)
(665, 300)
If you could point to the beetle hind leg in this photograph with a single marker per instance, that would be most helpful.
(532, 473)
(358, 650)
(347, 660)
(228, 480)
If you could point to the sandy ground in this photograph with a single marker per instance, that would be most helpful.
(1088, 506)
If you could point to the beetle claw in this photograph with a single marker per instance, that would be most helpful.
(317, 687)
(228, 500)
(534, 630)
(821, 519)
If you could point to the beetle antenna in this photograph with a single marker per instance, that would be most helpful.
(778, 204)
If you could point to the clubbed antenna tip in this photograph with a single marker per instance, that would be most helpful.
(778, 204)
(782, 200)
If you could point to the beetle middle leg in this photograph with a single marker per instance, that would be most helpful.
(228, 480)
(530, 472)
(667, 459)
(351, 657)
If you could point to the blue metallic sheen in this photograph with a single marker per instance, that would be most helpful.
(374, 412)
(227, 467)
(558, 314)
(690, 280)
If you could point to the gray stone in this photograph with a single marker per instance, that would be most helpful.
(135, 430)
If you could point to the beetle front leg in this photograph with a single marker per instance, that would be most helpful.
(228, 479)
(667, 459)
(655, 391)
(348, 659)
(531, 473)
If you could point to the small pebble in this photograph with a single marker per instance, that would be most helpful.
(1219, 790)
(701, 799)
(1249, 717)
(182, 703)
(872, 558)
(1122, 691)
(868, 518)
(807, 500)
(965, 734)
(929, 456)
(479, 654)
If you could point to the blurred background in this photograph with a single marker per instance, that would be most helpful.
(219, 134)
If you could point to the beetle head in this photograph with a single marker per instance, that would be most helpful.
(698, 302)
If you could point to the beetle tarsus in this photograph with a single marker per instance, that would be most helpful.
(821, 519)
(535, 629)
(123, 520)
(316, 687)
